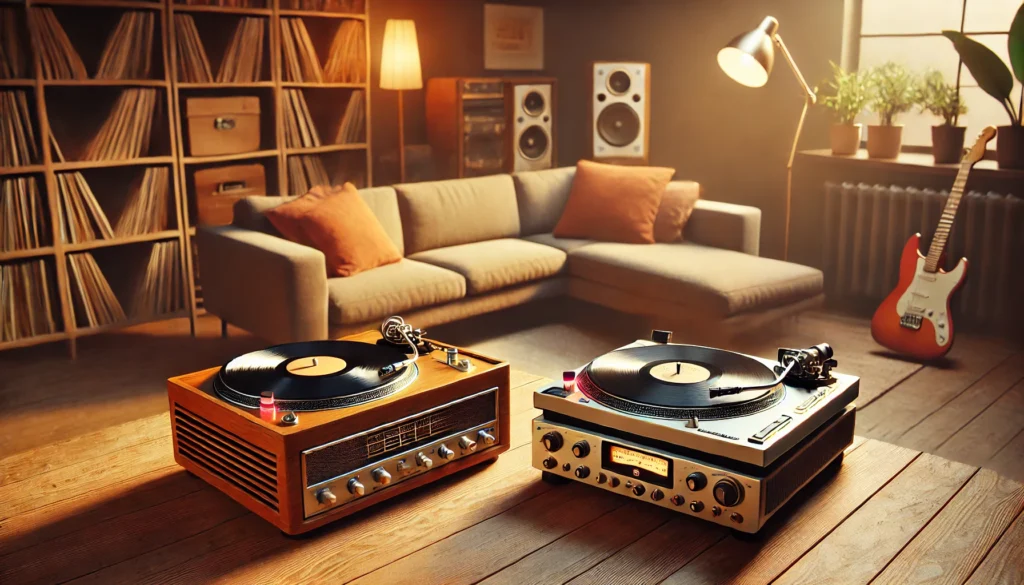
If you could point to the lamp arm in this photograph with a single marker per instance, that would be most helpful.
(811, 97)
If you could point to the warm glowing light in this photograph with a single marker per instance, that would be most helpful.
(742, 67)
(569, 380)
(400, 56)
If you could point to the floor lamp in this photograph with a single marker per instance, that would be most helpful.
(748, 59)
(400, 70)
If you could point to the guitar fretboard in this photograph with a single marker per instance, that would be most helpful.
(946, 221)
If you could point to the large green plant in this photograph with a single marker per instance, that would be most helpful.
(850, 92)
(892, 91)
(989, 70)
(942, 99)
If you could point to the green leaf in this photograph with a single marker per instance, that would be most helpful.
(1015, 44)
(987, 68)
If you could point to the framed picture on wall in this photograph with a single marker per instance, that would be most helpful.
(513, 37)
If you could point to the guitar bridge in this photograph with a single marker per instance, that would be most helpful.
(911, 321)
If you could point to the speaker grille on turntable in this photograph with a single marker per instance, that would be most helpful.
(618, 124)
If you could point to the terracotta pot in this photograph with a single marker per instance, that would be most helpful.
(947, 143)
(885, 141)
(845, 138)
(1010, 147)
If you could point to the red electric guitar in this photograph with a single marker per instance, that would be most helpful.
(914, 319)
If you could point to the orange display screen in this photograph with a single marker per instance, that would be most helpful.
(624, 456)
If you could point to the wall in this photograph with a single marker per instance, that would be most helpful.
(735, 140)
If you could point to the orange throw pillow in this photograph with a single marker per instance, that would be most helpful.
(336, 221)
(676, 207)
(613, 203)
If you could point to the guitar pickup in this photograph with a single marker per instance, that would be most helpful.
(911, 322)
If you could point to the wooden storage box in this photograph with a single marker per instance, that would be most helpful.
(218, 189)
(224, 125)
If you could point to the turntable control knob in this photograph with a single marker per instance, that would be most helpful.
(445, 452)
(657, 495)
(467, 444)
(696, 506)
(552, 441)
(403, 467)
(639, 489)
(550, 463)
(677, 500)
(485, 437)
(696, 481)
(581, 449)
(613, 482)
(601, 478)
(326, 497)
(424, 461)
(355, 487)
(582, 472)
(381, 476)
(728, 492)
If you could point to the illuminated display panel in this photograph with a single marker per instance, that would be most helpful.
(624, 456)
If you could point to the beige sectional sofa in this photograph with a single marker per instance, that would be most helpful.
(472, 246)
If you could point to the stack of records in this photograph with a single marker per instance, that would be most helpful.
(13, 56)
(347, 62)
(146, 211)
(23, 223)
(244, 58)
(226, 3)
(346, 6)
(129, 50)
(25, 293)
(125, 134)
(306, 172)
(160, 291)
(193, 65)
(81, 216)
(351, 130)
(299, 128)
(300, 61)
(18, 146)
(91, 293)
(59, 58)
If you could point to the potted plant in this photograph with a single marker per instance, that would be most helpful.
(995, 79)
(850, 93)
(892, 93)
(941, 99)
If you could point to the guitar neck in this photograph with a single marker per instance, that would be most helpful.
(938, 244)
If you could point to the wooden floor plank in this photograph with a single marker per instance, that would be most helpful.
(797, 527)
(498, 541)
(585, 547)
(914, 399)
(989, 432)
(952, 545)
(940, 425)
(863, 544)
(1004, 564)
(89, 446)
(1009, 461)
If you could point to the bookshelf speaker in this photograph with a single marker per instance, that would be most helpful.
(620, 108)
(531, 112)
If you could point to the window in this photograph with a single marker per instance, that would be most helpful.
(910, 32)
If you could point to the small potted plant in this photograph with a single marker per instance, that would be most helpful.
(995, 79)
(849, 94)
(892, 88)
(941, 99)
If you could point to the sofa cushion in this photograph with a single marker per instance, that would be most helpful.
(676, 207)
(720, 282)
(566, 245)
(437, 214)
(383, 201)
(497, 264)
(389, 290)
(541, 196)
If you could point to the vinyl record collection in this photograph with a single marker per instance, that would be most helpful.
(25, 300)
(347, 61)
(147, 208)
(353, 123)
(305, 172)
(300, 131)
(244, 58)
(126, 132)
(59, 58)
(193, 65)
(300, 60)
(93, 297)
(13, 56)
(160, 290)
(225, 3)
(129, 50)
(346, 6)
(23, 224)
(18, 146)
(81, 218)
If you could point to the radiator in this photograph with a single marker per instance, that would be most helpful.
(867, 226)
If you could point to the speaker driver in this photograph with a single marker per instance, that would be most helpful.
(618, 125)
(533, 103)
(533, 142)
(619, 82)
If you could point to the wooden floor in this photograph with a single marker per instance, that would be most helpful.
(968, 409)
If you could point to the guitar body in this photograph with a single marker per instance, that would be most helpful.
(914, 319)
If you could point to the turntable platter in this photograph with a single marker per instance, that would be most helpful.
(673, 381)
(314, 375)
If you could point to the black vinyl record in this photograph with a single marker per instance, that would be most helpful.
(674, 381)
(313, 375)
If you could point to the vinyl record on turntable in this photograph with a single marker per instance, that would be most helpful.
(314, 375)
(674, 381)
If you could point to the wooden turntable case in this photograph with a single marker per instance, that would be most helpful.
(257, 463)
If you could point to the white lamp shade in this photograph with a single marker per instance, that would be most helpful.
(742, 67)
(400, 57)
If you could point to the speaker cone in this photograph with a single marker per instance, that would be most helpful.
(618, 125)
(619, 82)
(533, 142)
(533, 103)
